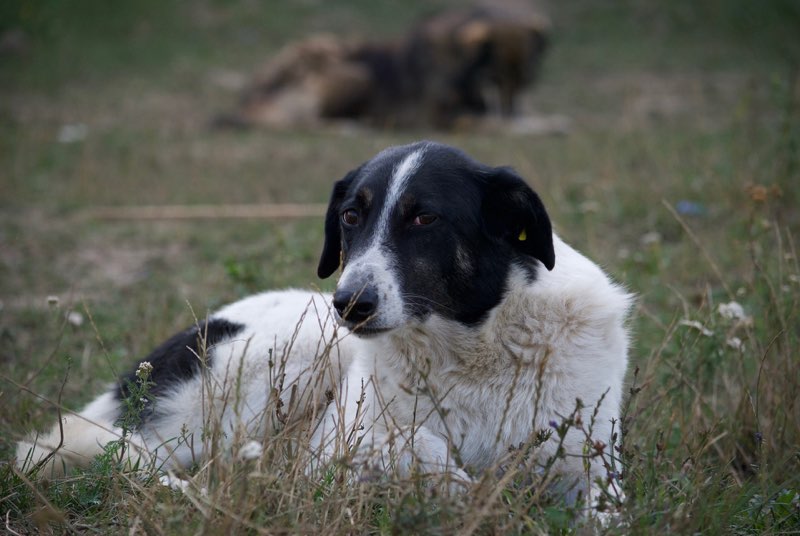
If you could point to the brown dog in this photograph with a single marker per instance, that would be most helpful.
(446, 68)
(461, 57)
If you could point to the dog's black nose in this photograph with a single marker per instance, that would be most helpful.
(356, 306)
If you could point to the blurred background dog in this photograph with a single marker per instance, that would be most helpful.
(449, 69)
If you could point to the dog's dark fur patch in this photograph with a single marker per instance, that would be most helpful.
(179, 358)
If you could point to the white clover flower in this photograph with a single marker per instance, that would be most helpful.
(732, 310)
(650, 239)
(735, 343)
(75, 318)
(251, 450)
(169, 480)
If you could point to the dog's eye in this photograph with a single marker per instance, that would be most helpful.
(425, 219)
(350, 217)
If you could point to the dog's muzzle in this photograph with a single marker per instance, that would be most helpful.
(356, 307)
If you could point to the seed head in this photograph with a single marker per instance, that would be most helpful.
(144, 370)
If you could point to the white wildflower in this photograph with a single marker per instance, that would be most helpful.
(250, 451)
(73, 133)
(75, 318)
(696, 325)
(52, 300)
(171, 481)
(650, 239)
(733, 311)
(735, 343)
(144, 370)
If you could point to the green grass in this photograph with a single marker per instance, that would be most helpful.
(690, 101)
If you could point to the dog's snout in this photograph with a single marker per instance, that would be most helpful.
(356, 305)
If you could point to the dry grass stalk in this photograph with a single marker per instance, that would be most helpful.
(263, 211)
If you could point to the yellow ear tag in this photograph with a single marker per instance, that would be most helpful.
(522, 236)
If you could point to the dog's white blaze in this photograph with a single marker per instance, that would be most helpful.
(375, 263)
(397, 185)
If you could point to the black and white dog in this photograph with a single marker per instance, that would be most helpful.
(460, 326)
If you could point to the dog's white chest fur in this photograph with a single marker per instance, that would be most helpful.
(471, 393)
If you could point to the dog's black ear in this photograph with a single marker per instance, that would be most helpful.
(332, 250)
(515, 214)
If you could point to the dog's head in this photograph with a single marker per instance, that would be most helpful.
(423, 230)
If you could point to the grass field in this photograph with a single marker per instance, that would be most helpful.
(680, 174)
